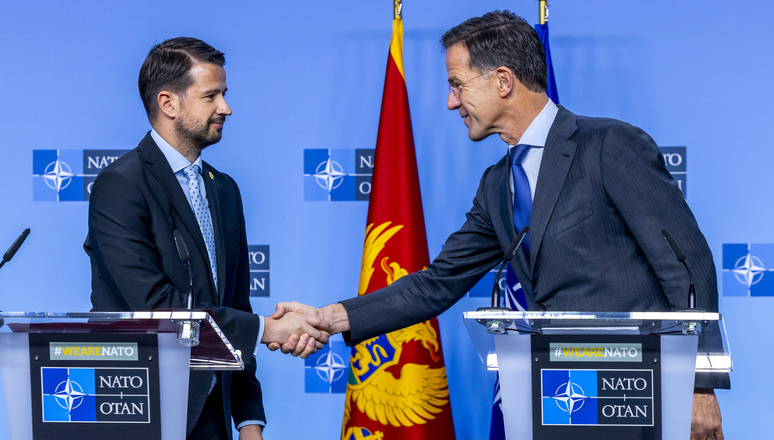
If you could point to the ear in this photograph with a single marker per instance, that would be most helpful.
(506, 81)
(168, 103)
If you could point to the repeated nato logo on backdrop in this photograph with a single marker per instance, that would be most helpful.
(676, 163)
(329, 174)
(259, 269)
(326, 370)
(67, 175)
(337, 175)
(748, 269)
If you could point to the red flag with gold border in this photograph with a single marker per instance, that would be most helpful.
(397, 387)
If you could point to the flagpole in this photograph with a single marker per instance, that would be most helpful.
(543, 11)
(398, 8)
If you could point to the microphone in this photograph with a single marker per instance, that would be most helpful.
(15, 247)
(11, 252)
(509, 254)
(499, 326)
(187, 330)
(186, 258)
(680, 256)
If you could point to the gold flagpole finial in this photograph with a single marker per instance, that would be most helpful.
(543, 12)
(398, 7)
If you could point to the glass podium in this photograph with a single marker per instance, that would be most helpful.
(207, 348)
(508, 341)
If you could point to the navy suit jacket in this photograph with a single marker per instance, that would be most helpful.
(136, 203)
(603, 196)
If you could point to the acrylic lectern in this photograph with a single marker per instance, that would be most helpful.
(586, 375)
(105, 374)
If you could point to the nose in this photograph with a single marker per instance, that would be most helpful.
(452, 101)
(223, 108)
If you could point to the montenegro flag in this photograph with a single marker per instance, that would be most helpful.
(397, 388)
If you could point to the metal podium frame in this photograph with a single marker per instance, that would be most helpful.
(211, 351)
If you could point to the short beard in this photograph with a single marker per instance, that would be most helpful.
(194, 140)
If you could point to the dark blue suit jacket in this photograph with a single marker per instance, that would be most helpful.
(136, 203)
(602, 198)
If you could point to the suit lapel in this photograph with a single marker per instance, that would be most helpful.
(158, 166)
(217, 226)
(558, 155)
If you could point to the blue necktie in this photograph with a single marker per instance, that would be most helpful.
(522, 198)
(203, 217)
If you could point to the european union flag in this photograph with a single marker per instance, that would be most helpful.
(542, 30)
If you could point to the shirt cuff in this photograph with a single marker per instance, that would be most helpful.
(251, 422)
(257, 346)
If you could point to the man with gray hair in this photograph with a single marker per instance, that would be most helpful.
(594, 192)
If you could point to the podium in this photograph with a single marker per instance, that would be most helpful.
(118, 375)
(589, 375)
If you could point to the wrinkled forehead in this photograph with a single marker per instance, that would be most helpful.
(457, 61)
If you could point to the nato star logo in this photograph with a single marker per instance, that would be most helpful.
(329, 175)
(326, 370)
(69, 395)
(330, 367)
(58, 175)
(569, 397)
(337, 174)
(67, 175)
(747, 269)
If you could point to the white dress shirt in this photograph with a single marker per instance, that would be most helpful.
(536, 135)
(177, 162)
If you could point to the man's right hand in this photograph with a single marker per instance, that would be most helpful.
(294, 329)
(330, 320)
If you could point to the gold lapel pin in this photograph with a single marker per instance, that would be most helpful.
(212, 177)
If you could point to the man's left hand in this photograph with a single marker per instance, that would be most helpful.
(251, 432)
(706, 422)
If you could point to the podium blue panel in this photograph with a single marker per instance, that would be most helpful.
(569, 397)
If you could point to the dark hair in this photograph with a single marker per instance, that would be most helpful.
(502, 38)
(167, 67)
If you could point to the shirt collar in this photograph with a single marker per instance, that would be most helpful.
(537, 132)
(176, 160)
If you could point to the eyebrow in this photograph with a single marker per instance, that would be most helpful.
(211, 91)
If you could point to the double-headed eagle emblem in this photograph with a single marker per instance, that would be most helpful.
(387, 390)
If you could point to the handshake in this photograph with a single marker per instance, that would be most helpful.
(301, 330)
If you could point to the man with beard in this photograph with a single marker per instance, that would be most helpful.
(162, 186)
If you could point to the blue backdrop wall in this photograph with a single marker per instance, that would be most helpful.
(309, 75)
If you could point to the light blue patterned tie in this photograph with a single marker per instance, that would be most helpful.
(203, 216)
